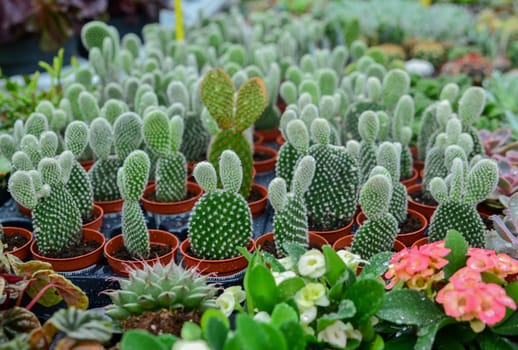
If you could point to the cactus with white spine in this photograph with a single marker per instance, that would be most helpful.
(331, 198)
(56, 218)
(132, 179)
(471, 106)
(290, 223)
(388, 155)
(233, 114)
(379, 231)
(221, 220)
(402, 132)
(164, 137)
(368, 128)
(458, 196)
(296, 145)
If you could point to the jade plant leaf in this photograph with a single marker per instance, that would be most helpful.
(334, 264)
(215, 333)
(409, 307)
(377, 265)
(367, 296)
(140, 339)
(262, 288)
(457, 256)
(283, 313)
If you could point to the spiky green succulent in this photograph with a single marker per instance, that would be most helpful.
(378, 232)
(233, 114)
(290, 222)
(156, 287)
(458, 196)
(402, 132)
(296, 145)
(221, 220)
(56, 218)
(331, 198)
(368, 128)
(471, 106)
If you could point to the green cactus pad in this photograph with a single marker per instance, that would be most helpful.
(375, 236)
(352, 116)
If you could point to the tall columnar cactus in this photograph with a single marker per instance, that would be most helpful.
(221, 220)
(331, 198)
(233, 114)
(56, 218)
(132, 179)
(388, 155)
(79, 185)
(471, 106)
(125, 137)
(164, 137)
(368, 128)
(402, 132)
(458, 196)
(378, 232)
(196, 138)
(296, 145)
(290, 223)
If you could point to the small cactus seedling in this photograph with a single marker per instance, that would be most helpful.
(221, 220)
(458, 196)
(290, 223)
(55, 216)
(331, 198)
(132, 179)
(164, 137)
(233, 114)
(378, 232)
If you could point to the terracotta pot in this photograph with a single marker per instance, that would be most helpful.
(190, 167)
(111, 206)
(333, 235)
(314, 240)
(23, 210)
(258, 139)
(426, 210)
(420, 242)
(346, 242)
(257, 207)
(169, 208)
(406, 238)
(269, 135)
(24, 251)
(421, 174)
(87, 164)
(280, 140)
(419, 166)
(412, 180)
(219, 268)
(160, 237)
(262, 166)
(98, 221)
(78, 262)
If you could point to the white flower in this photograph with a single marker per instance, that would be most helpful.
(190, 345)
(311, 294)
(287, 262)
(226, 303)
(237, 292)
(308, 315)
(262, 316)
(282, 276)
(312, 264)
(337, 333)
(350, 260)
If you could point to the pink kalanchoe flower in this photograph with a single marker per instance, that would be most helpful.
(494, 300)
(484, 260)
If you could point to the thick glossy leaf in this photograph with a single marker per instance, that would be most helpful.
(288, 288)
(263, 289)
(190, 331)
(490, 341)
(367, 296)
(251, 336)
(509, 325)
(139, 339)
(62, 289)
(457, 256)
(283, 313)
(338, 290)
(427, 333)
(409, 307)
(334, 264)
(213, 313)
(294, 335)
(377, 265)
(404, 342)
(215, 333)
(346, 310)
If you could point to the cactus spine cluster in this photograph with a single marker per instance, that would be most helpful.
(56, 218)
(221, 220)
(458, 196)
(132, 179)
(233, 115)
(378, 232)
(172, 288)
(290, 223)
(331, 198)
(164, 137)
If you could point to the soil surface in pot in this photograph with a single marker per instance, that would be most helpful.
(270, 247)
(89, 219)
(161, 322)
(260, 156)
(77, 250)
(254, 195)
(152, 196)
(13, 241)
(411, 224)
(314, 227)
(156, 250)
(423, 198)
